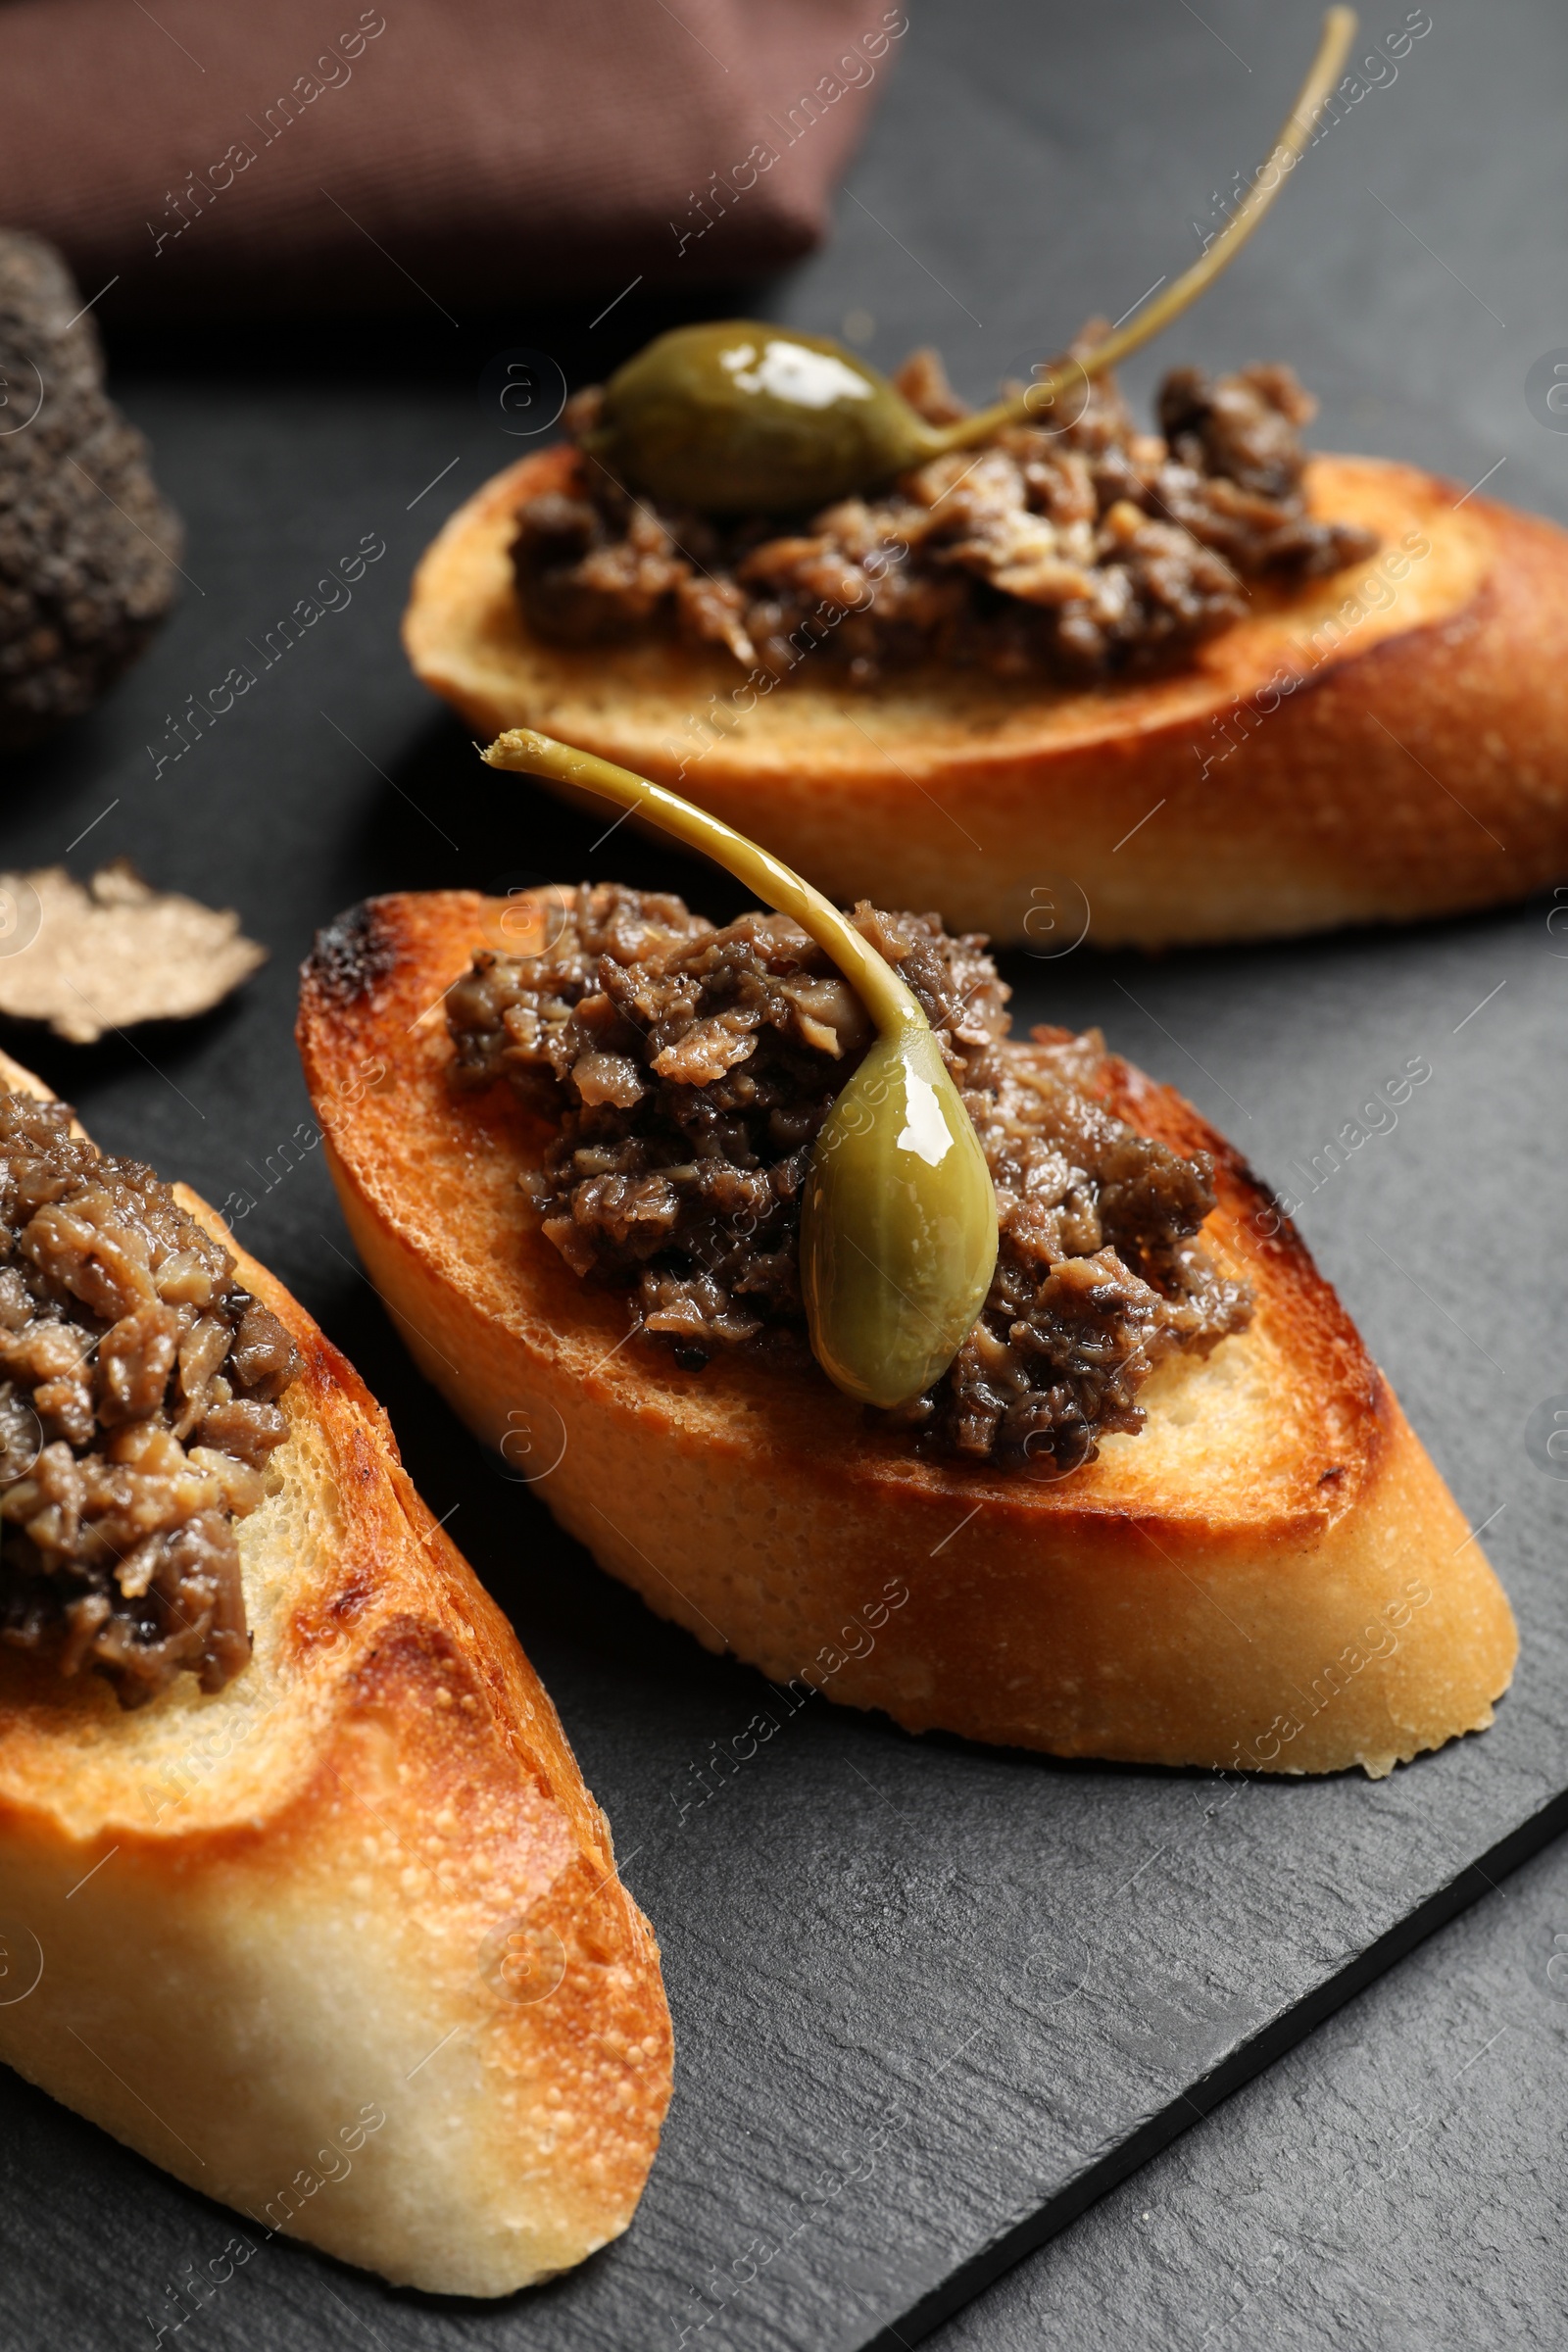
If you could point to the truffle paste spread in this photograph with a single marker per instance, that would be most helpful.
(138, 1411)
(686, 1071)
(1076, 551)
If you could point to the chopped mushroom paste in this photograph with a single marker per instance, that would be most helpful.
(138, 1411)
(1076, 551)
(687, 1071)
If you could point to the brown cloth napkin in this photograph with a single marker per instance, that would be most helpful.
(310, 155)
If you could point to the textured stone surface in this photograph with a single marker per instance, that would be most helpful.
(925, 1997)
(1395, 2182)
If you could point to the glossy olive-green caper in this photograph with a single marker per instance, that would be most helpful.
(899, 1217)
(742, 419)
(746, 419)
(897, 1225)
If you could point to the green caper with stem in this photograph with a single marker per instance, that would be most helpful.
(897, 1217)
(741, 418)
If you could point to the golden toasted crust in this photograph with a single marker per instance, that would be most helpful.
(1201, 1594)
(365, 1880)
(1386, 744)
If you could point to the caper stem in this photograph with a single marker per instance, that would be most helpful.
(1339, 31)
(886, 999)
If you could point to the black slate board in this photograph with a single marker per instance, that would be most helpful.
(929, 2000)
(1394, 2184)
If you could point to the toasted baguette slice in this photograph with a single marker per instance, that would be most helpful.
(1384, 744)
(1271, 1575)
(343, 1945)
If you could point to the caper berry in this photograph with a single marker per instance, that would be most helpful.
(897, 1225)
(746, 419)
(899, 1217)
(739, 417)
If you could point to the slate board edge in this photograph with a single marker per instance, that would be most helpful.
(1034, 2229)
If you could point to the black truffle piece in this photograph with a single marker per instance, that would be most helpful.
(87, 547)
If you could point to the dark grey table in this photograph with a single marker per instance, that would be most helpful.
(932, 2001)
(1395, 2182)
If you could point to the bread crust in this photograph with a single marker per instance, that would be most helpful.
(1382, 745)
(363, 1880)
(1201, 1594)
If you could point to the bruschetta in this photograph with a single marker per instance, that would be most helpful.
(1235, 1555)
(1384, 741)
(301, 1892)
